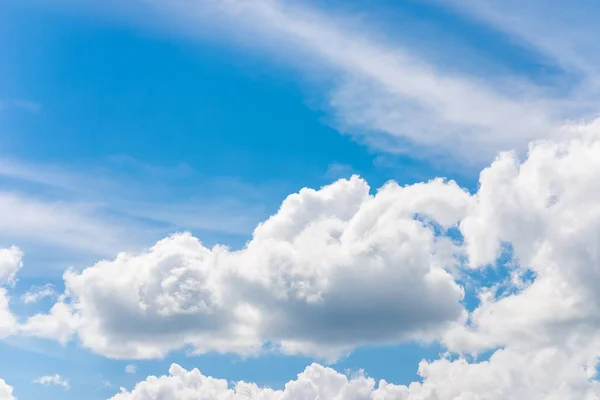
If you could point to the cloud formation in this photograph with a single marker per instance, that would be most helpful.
(387, 93)
(333, 269)
(341, 267)
(388, 89)
(6, 391)
(55, 380)
(549, 374)
(37, 293)
(547, 209)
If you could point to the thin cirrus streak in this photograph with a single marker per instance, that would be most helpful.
(385, 94)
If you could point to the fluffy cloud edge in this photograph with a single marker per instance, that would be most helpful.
(6, 391)
(548, 374)
(315, 261)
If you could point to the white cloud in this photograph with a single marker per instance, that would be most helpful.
(547, 208)
(70, 225)
(11, 260)
(551, 374)
(55, 380)
(387, 92)
(333, 269)
(338, 268)
(37, 293)
(393, 95)
(60, 323)
(316, 382)
(6, 391)
(562, 32)
(130, 369)
(98, 215)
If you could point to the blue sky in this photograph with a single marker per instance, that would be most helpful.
(123, 124)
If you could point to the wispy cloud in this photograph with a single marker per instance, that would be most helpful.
(69, 225)
(54, 380)
(388, 91)
(564, 32)
(37, 293)
(387, 94)
(100, 210)
(131, 369)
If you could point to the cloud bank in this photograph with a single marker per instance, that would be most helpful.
(343, 266)
(333, 269)
(550, 374)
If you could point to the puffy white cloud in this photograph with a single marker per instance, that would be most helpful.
(55, 380)
(545, 212)
(541, 375)
(339, 267)
(6, 391)
(60, 323)
(549, 373)
(547, 208)
(316, 382)
(332, 269)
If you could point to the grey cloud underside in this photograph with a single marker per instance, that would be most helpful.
(547, 324)
(548, 374)
(333, 269)
(341, 267)
(338, 268)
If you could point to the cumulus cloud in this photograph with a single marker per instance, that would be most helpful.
(55, 380)
(547, 209)
(6, 391)
(60, 323)
(11, 260)
(316, 382)
(333, 269)
(548, 374)
(341, 267)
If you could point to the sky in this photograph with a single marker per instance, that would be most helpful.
(294, 200)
